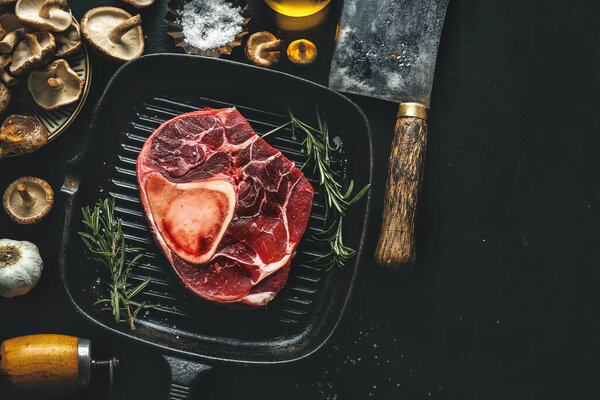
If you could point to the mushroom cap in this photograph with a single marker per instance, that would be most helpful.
(97, 25)
(302, 52)
(55, 86)
(18, 209)
(261, 48)
(58, 19)
(4, 97)
(28, 56)
(10, 22)
(21, 134)
(139, 3)
(69, 41)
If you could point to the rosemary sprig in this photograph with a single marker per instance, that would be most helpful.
(104, 238)
(319, 150)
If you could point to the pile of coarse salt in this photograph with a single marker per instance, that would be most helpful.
(208, 24)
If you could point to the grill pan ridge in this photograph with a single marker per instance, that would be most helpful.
(304, 314)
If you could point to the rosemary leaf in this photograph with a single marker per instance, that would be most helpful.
(105, 240)
(138, 289)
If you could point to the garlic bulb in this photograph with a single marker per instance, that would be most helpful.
(20, 267)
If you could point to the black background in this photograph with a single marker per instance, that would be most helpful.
(503, 302)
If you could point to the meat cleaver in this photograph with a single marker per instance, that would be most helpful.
(387, 49)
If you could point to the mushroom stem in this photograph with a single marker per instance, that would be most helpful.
(28, 201)
(33, 43)
(49, 4)
(6, 59)
(56, 83)
(302, 47)
(7, 78)
(8, 42)
(275, 45)
(124, 27)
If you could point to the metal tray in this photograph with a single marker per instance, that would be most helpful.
(140, 96)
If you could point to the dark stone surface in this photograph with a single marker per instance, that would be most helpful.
(503, 302)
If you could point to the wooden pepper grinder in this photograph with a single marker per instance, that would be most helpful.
(52, 365)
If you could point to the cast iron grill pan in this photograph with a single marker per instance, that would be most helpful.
(142, 95)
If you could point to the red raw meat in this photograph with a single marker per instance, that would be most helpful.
(227, 209)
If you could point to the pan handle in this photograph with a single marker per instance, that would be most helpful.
(184, 373)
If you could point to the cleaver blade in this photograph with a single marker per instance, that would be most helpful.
(387, 49)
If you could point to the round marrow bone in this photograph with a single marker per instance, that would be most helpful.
(33, 52)
(193, 216)
(49, 15)
(56, 86)
(113, 33)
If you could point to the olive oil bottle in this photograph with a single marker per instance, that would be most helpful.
(297, 8)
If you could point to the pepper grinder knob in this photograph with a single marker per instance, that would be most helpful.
(112, 364)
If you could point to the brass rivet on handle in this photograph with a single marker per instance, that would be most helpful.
(410, 109)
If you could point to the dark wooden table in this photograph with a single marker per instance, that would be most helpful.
(503, 303)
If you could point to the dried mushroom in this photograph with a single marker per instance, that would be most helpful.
(140, 3)
(302, 52)
(5, 60)
(12, 27)
(4, 98)
(49, 15)
(55, 86)
(33, 52)
(21, 134)
(263, 48)
(28, 200)
(113, 33)
(69, 41)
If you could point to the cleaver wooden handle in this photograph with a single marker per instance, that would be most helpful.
(396, 246)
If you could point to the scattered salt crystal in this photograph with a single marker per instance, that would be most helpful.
(208, 24)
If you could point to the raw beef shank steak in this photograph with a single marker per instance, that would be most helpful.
(227, 209)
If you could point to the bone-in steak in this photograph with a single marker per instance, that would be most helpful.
(227, 209)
